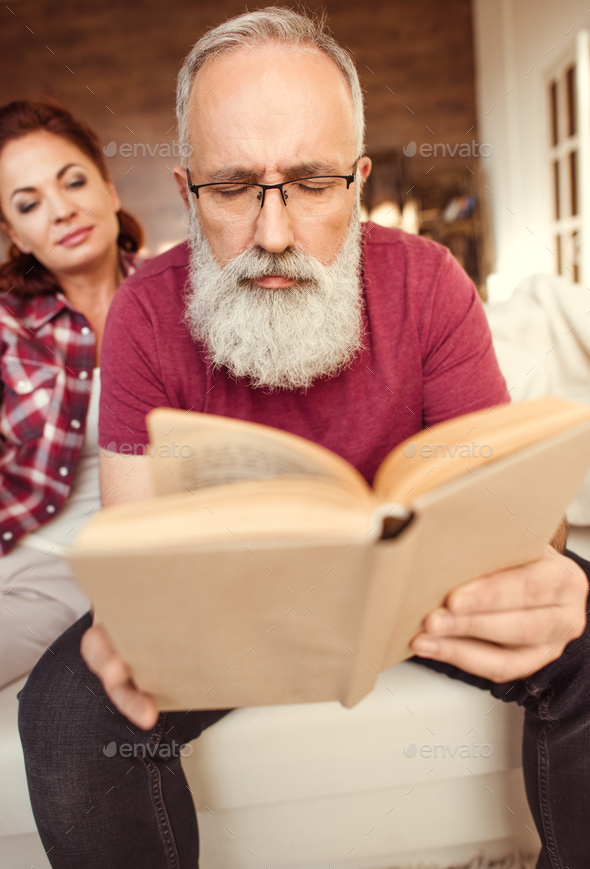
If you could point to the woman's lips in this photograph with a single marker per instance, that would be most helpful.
(76, 236)
(274, 282)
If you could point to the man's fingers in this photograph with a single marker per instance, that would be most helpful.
(551, 580)
(508, 624)
(103, 659)
(496, 663)
(551, 625)
(138, 707)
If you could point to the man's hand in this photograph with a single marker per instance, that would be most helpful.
(509, 624)
(104, 660)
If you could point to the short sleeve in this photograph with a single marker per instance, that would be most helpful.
(460, 369)
(131, 382)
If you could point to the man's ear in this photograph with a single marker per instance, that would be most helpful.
(364, 166)
(181, 182)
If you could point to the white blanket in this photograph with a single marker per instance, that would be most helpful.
(541, 337)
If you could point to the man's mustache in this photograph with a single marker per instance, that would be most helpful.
(251, 265)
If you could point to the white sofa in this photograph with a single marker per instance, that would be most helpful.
(317, 785)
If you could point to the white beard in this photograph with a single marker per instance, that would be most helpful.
(277, 338)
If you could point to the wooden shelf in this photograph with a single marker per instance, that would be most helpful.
(468, 238)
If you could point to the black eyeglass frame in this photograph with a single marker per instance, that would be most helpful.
(194, 188)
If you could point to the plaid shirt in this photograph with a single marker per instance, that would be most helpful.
(47, 354)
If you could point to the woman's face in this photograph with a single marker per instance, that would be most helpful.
(56, 203)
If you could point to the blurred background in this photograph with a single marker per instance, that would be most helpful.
(478, 114)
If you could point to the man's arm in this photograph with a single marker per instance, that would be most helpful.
(124, 478)
(512, 623)
(131, 386)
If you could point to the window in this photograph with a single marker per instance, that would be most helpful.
(564, 164)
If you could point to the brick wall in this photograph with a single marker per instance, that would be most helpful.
(114, 62)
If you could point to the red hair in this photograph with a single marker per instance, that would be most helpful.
(22, 273)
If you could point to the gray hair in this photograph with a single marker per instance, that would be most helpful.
(273, 25)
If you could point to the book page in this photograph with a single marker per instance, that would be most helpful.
(231, 460)
(461, 446)
(195, 450)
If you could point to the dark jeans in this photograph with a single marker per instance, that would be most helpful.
(96, 808)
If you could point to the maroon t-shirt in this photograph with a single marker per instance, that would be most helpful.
(428, 357)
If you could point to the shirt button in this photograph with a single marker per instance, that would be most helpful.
(23, 386)
(85, 330)
(63, 472)
(8, 535)
(50, 508)
(83, 375)
(75, 423)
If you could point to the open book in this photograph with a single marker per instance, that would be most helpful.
(266, 570)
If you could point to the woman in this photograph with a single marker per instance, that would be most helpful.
(71, 246)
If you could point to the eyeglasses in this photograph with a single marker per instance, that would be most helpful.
(312, 197)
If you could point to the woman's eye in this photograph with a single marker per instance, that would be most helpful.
(25, 207)
(78, 182)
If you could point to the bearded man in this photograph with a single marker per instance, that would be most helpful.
(283, 310)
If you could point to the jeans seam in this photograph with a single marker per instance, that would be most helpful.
(544, 800)
(157, 799)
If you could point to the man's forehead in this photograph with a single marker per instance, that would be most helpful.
(297, 154)
(258, 69)
(271, 109)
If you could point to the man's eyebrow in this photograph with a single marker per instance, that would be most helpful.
(252, 176)
(59, 175)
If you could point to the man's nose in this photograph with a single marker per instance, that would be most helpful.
(273, 230)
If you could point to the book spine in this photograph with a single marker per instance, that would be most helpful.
(389, 567)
